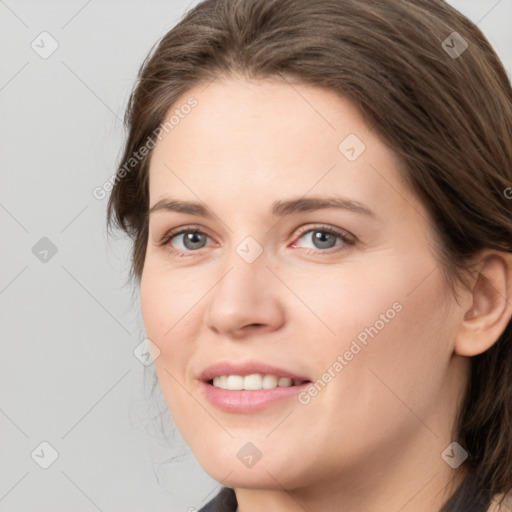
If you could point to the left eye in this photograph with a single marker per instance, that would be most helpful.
(323, 238)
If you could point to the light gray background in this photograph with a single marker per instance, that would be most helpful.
(69, 325)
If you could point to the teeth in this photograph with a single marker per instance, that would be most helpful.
(253, 382)
(284, 382)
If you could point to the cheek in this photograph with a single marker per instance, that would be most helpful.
(396, 344)
(172, 319)
(353, 304)
(396, 310)
(365, 402)
(170, 306)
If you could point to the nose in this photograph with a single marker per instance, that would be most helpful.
(246, 298)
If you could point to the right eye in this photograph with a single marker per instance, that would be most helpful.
(192, 239)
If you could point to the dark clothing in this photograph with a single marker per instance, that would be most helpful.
(224, 501)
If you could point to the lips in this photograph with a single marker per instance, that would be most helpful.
(244, 401)
(243, 369)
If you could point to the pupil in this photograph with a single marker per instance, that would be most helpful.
(192, 238)
(321, 236)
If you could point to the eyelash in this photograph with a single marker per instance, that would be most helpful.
(345, 238)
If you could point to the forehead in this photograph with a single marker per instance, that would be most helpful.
(268, 120)
(264, 139)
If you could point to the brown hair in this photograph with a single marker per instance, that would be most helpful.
(444, 109)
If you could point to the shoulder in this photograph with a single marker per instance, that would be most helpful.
(224, 501)
(501, 503)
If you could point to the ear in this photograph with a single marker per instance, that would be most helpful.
(491, 305)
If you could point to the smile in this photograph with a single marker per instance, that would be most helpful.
(253, 382)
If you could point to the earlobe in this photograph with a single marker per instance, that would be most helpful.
(491, 308)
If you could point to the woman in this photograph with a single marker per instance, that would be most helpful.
(319, 196)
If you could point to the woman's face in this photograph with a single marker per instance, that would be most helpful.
(349, 298)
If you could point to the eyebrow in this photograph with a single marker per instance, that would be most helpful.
(279, 208)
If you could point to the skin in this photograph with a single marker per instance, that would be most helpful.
(372, 438)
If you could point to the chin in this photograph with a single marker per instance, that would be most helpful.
(266, 473)
(248, 479)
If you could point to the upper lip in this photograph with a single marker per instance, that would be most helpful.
(248, 368)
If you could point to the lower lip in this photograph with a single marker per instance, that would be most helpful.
(248, 401)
